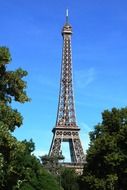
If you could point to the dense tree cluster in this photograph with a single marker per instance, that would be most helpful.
(106, 167)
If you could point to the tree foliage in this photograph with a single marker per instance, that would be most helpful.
(12, 85)
(12, 88)
(52, 163)
(106, 166)
(19, 168)
(69, 179)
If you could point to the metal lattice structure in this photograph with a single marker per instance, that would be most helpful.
(66, 129)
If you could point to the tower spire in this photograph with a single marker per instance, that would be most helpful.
(66, 16)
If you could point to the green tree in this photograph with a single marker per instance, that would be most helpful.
(52, 163)
(106, 167)
(69, 179)
(12, 88)
(19, 168)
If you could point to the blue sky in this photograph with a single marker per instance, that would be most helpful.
(32, 31)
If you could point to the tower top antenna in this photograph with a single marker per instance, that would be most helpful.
(66, 16)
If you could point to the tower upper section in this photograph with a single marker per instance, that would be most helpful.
(67, 30)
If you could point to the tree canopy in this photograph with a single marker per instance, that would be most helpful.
(106, 166)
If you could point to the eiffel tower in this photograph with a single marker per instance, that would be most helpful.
(66, 129)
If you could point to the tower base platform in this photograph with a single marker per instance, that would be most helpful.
(78, 167)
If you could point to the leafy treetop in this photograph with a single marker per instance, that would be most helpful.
(12, 88)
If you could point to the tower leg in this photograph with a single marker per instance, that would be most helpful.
(55, 147)
(79, 154)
